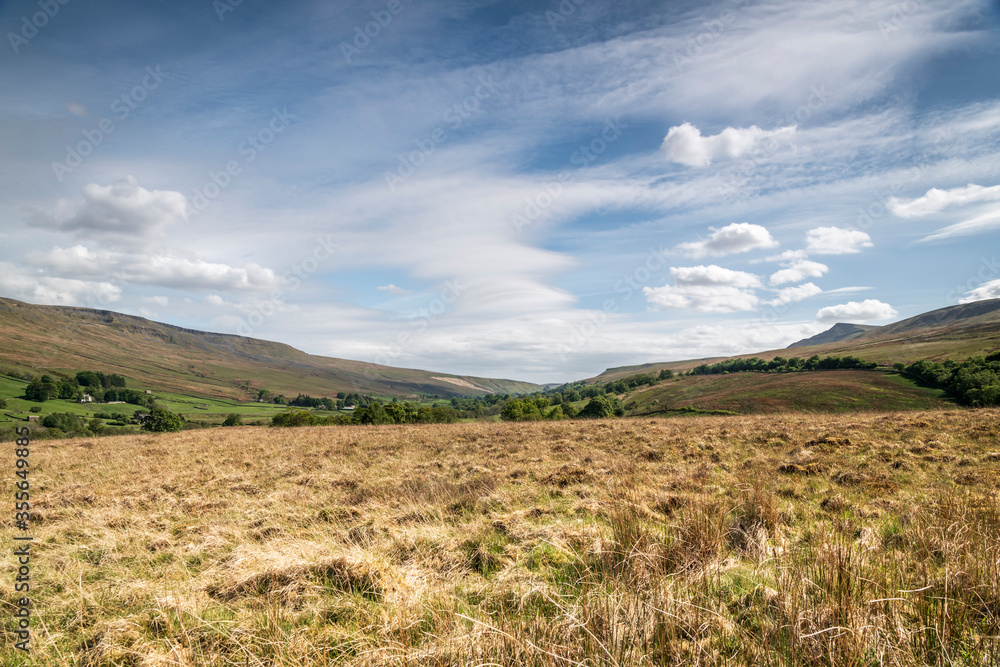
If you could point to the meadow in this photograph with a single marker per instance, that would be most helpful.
(781, 539)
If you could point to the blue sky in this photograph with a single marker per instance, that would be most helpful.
(533, 190)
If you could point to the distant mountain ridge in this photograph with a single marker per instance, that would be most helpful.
(953, 332)
(172, 358)
(942, 317)
(838, 332)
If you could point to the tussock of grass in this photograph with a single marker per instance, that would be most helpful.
(868, 539)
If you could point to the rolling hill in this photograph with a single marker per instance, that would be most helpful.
(954, 332)
(173, 359)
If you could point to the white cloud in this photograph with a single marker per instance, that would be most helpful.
(977, 225)
(713, 275)
(156, 270)
(179, 273)
(798, 271)
(855, 311)
(787, 256)
(836, 241)
(47, 290)
(988, 290)
(157, 300)
(214, 300)
(936, 200)
(793, 294)
(392, 289)
(122, 214)
(710, 289)
(685, 144)
(735, 238)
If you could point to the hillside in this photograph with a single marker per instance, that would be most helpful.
(954, 332)
(173, 359)
(817, 391)
(835, 334)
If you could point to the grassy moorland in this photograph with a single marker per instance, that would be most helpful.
(863, 539)
(813, 391)
(168, 358)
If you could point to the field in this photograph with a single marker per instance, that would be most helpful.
(862, 539)
(814, 391)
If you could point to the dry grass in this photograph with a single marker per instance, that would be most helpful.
(872, 539)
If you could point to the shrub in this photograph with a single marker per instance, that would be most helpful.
(160, 420)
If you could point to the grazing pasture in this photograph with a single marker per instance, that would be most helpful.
(781, 539)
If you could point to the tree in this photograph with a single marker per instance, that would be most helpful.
(294, 418)
(373, 414)
(233, 419)
(160, 420)
(666, 374)
(63, 421)
(3, 403)
(602, 407)
(520, 410)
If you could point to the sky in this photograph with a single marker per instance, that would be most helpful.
(528, 190)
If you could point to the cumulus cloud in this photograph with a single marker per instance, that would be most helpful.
(710, 289)
(123, 214)
(686, 145)
(856, 311)
(392, 289)
(156, 270)
(793, 294)
(787, 256)
(735, 238)
(988, 290)
(797, 271)
(936, 200)
(19, 284)
(188, 274)
(836, 241)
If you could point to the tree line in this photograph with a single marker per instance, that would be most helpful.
(974, 382)
(783, 365)
(102, 387)
(375, 412)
